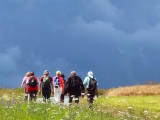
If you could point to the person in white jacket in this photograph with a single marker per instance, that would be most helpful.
(24, 85)
(58, 86)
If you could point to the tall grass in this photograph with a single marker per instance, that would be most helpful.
(12, 107)
(148, 89)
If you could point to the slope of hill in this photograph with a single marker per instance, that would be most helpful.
(153, 89)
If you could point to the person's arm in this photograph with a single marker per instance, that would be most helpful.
(96, 88)
(82, 86)
(27, 81)
(85, 82)
(40, 83)
(23, 82)
(62, 84)
(65, 87)
(37, 81)
(51, 80)
(68, 86)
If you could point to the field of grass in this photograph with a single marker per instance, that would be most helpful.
(139, 107)
(149, 89)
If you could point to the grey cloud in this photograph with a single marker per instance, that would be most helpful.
(8, 61)
(151, 34)
(115, 41)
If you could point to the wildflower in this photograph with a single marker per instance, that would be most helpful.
(52, 117)
(48, 109)
(145, 112)
(67, 116)
(126, 112)
(56, 113)
(2, 103)
(35, 110)
(156, 116)
(130, 107)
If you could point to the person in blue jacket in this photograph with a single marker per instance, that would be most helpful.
(91, 85)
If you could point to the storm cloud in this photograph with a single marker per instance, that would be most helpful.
(117, 40)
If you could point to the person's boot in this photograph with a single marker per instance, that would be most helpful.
(25, 98)
(77, 104)
(90, 104)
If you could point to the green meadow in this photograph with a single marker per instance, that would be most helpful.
(12, 107)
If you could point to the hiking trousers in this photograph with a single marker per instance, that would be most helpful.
(90, 96)
(26, 95)
(46, 93)
(72, 98)
(62, 97)
(32, 95)
(57, 93)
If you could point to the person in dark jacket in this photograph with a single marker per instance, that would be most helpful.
(62, 95)
(75, 87)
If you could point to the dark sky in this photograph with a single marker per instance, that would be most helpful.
(118, 40)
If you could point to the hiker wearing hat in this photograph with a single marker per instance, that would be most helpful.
(32, 86)
(58, 86)
(45, 84)
(75, 87)
(24, 85)
(92, 87)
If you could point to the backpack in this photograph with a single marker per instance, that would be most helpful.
(46, 82)
(56, 82)
(75, 82)
(92, 84)
(32, 82)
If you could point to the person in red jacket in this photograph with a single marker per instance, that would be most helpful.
(58, 86)
(32, 87)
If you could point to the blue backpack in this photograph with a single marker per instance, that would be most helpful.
(56, 82)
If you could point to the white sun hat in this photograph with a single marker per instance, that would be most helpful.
(90, 74)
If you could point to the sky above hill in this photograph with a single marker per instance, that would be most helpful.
(117, 39)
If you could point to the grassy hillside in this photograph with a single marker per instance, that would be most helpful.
(107, 107)
(149, 89)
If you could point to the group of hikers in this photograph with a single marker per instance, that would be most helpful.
(74, 87)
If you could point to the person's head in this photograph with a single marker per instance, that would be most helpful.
(90, 74)
(73, 73)
(28, 74)
(31, 73)
(46, 73)
(58, 73)
(63, 76)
